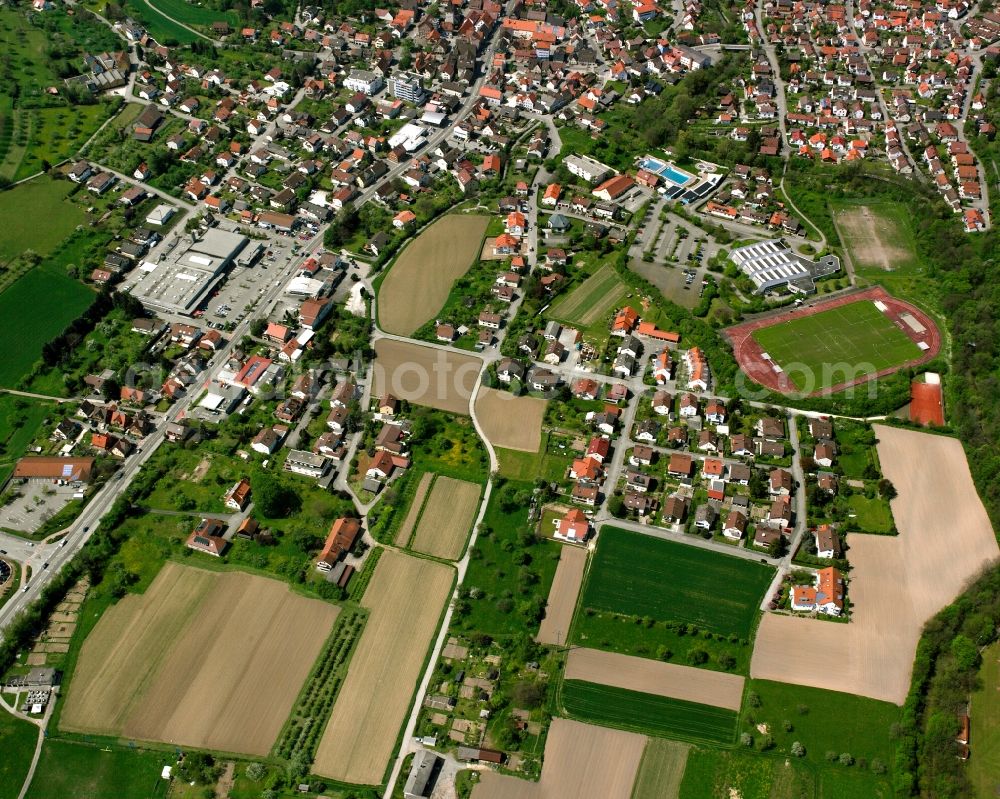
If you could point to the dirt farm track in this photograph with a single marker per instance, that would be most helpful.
(750, 356)
(206, 659)
(418, 283)
(897, 582)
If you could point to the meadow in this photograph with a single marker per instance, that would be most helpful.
(642, 576)
(25, 328)
(822, 721)
(872, 515)
(712, 774)
(84, 771)
(20, 422)
(23, 206)
(984, 765)
(191, 14)
(647, 713)
(17, 742)
(591, 300)
(856, 337)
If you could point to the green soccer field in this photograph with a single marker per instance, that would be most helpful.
(839, 345)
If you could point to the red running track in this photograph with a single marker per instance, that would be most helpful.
(750, 356)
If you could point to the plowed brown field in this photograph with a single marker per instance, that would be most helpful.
(511, 422)
(201, 659)
(425, 375)
(447, 519)
(554, 628)
(897, 583)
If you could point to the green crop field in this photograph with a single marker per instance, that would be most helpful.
(661, 771)
(79, 771)
(984, 765)
(647, 713)
(591, 300)
(33, 311)
(638, 575)
(837, 345)
(22, 206)
(17, 742)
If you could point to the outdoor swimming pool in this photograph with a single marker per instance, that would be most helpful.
(666, 171)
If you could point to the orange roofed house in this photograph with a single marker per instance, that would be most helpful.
(343, 534)
(826, 595)
(208, 538)
(573, 526)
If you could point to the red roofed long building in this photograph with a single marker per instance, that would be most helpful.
(343, 534)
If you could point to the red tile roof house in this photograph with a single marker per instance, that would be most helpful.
(826, 595)
(598, 448)
(342, 537)
(680, 465)
(238, 497)
(586, 469)
(780, 482)
(574, 526)
(208, 538)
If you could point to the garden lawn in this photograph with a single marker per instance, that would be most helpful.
(831, 721)
(872, 515)
(647, 713)
(17, 742)
(78, 771)
(984, 765)
(23, 206)
(638, 575)
(855, 339)
(33, 311)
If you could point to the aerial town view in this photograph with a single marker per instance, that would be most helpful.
(499, 399)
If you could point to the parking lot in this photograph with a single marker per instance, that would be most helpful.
(38, 502)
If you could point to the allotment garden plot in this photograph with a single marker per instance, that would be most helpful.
(205, 659)
(637, 575)
(419, 282)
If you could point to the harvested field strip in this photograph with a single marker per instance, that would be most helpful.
(201, 659)
(655, 715)
(581, 762)
(419, 282)
(662, 770)
(511, 422)
(119, 660)
(406, 597)
(655, 677)
(554, 629)
(447, 518)
(301, 735)
(406, 528)
(593, 298)
(638, 575)
(426, 375)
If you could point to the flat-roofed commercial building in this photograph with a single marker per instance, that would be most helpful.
(187, 273)
(772, 264)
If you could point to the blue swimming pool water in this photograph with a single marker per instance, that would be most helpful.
(666, 171)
